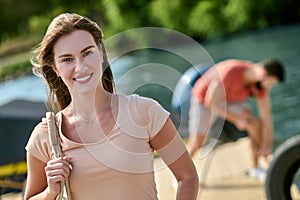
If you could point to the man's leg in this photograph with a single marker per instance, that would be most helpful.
(254, 132)
(253, 128)
(199, 120)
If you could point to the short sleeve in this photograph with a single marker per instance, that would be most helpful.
(152, 113)
(38, 143)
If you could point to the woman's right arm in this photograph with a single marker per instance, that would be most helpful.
(43, 180)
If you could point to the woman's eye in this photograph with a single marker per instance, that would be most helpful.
(87, 53)
(66, 60)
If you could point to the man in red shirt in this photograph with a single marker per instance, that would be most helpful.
(222, 92)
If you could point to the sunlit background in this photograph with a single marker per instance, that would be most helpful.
(252, 30)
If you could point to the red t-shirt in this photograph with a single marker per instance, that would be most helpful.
(231, 74)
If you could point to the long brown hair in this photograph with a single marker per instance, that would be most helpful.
(43, 59)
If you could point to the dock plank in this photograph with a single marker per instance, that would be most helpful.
(226, 178)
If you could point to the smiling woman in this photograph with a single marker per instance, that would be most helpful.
(44, 63)
(107, 139)
(78, 64)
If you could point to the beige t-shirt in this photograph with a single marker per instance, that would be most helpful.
(120, 166)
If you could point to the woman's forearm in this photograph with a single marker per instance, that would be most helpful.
(188, 188)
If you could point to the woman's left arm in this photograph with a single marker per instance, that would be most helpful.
(172, 150)
(266, 124)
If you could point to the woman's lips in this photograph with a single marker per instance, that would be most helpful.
(83, 79)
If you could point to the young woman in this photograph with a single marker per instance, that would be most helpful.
(107, 139)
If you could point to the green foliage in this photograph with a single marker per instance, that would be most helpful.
(215, 18)
(38, 24)
(245, 15)
(173, 14)
(121, 15)
(198, 18)
(15, 70)
(206, 19)
(164, 10)
(210, 18)
(14, 15)
(237, 14)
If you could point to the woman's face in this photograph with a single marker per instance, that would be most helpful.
(78, 61)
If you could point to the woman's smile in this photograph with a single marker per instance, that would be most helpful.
(83, 78)
(78, 63)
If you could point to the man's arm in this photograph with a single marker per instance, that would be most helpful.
(266, 121)
(215, 99)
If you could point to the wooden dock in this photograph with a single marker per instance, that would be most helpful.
(226, 177)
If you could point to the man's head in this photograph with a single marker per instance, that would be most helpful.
(274, 68)
(274, 73)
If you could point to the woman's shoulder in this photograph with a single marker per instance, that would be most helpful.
(41, 129)
(137, 100)
(38, 143)
(42, 124)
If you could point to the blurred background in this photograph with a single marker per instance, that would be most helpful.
(23, 22)
(242, 29)
(252, 30)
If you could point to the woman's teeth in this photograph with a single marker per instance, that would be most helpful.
(81, 79)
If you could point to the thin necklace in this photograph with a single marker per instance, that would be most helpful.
(88, 121)
(91, 121)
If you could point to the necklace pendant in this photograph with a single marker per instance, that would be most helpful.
(86, 121)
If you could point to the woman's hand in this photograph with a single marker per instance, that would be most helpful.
(57, 170)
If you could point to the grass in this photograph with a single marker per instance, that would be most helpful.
(15, 70)
(14, 57)
(17, 45)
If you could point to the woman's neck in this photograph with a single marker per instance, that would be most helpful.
(88, 106)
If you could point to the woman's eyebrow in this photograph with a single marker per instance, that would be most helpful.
(86, 48)
(83, 50)
(64, 55)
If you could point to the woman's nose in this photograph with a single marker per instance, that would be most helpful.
(78, 64)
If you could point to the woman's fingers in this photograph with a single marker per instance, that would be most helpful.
(57, 172)
(58, 169)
